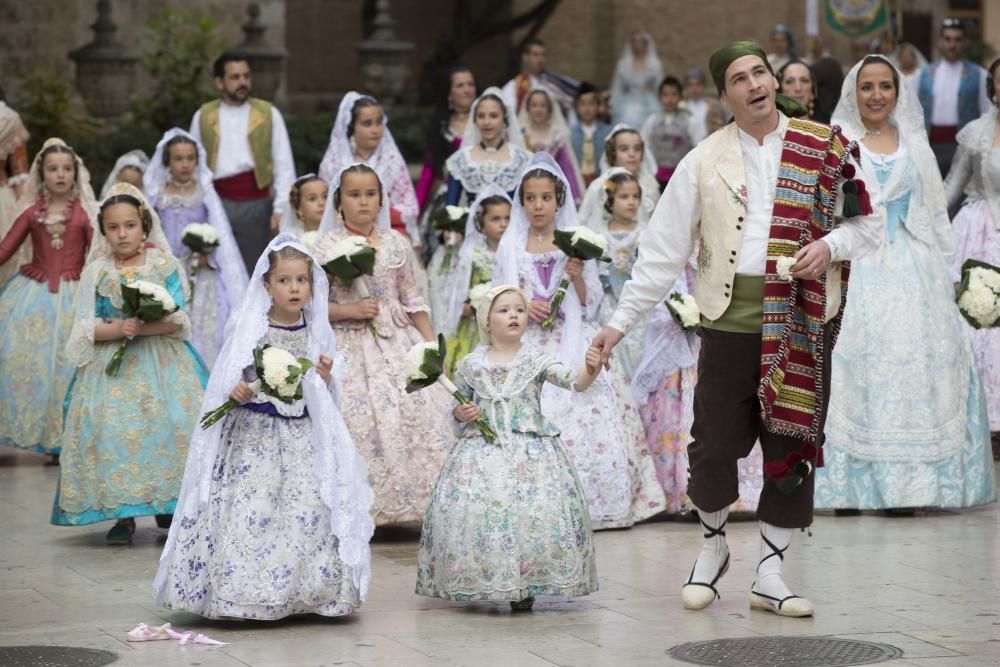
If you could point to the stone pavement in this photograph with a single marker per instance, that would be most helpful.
(929, 585)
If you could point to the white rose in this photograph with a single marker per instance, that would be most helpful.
(415, 357)
(276, 362)
(477, 293)
(687, 309)
(590, 236)
(980, 303)
(454, 213)
(157, 292)
(784, 267)
(346, 247)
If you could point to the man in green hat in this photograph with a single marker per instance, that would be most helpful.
(772, 205)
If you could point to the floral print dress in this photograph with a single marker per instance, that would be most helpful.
(508, 519)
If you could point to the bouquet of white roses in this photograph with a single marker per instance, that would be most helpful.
(450, 220)
(582, 243)
(279, 375)
(349, 259)
(425, 366)
(685, 310)
(201, 238)
(979, 294)
(476, 295)
(146, 301)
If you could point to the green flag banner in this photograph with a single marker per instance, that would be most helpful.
(855, 18)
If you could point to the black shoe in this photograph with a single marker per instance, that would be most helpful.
(847, 512)
(164, 520)
(53, 460)
(121, 532)
(522, 605)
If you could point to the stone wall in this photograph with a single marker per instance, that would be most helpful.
(40, 33)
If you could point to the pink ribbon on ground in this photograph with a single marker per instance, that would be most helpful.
(148, 633)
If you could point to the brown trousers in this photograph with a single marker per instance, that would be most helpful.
(727, 423)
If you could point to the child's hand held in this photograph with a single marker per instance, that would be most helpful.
(466, 412)
(241, 393)
(324, 367)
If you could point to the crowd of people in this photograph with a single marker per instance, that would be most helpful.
(826, 364)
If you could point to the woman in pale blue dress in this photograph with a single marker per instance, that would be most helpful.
(637, 77)
(126, 435)
(907, 423)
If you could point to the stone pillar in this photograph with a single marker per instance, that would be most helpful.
(105, 71)
(267, 63)
(384, 57)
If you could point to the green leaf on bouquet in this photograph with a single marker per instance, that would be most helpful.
(432, 367)
(443, 222)
(582, 249)
(198, 244)
(350, 268)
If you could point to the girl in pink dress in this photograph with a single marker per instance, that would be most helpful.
(404, 437)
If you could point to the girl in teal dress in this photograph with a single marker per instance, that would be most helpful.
(508, 519)
(488, 218)
(126, 436)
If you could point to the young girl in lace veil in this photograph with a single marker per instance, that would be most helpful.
(907, 424)
(601, 428)
(179, 186)
(126, 435)
(633, 88)
(508, 519)
(624, 148)
(129, 168)
(304, 211)
(36, 304)
(545, 129)
(361, 134)
(404, 437)
(492, 151)
(272, 518)
(471, 266)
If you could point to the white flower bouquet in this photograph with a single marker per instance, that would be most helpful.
(979, 294)
(146, 301)
(685, 310)
(582, 243)
(279, 375)
(425, 366)
(201, 238)
(476, 295)
(349, 259)
(450, 220)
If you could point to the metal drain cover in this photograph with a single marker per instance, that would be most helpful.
(54, 656)
(791, 651)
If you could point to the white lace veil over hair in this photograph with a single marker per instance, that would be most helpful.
(514, 244)
(34, 187)
(472, 136)
(340, 151)
(486, 304)
(135, 158)
(558, 130)
(234, 273)
(290, 222)
(456, 284)
(651, 60)
(908, 118)
(80, 345)
(331, 216)
(341, 472)
(36, 183)
(598, 216)
(648, 161)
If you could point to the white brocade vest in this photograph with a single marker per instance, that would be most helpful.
(723, 195)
